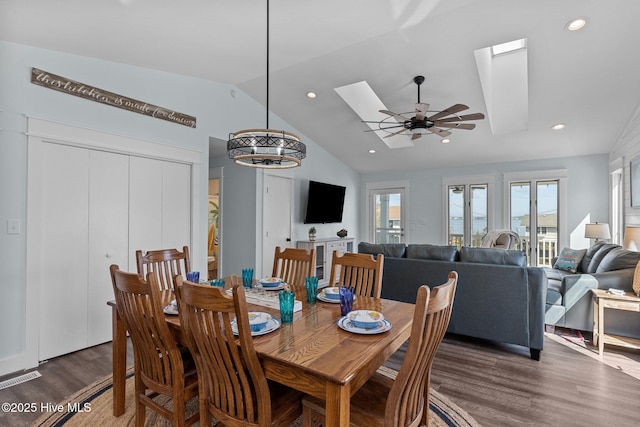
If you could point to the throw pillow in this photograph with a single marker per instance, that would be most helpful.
(569, 259)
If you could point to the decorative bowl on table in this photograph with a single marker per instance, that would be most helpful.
(365, 319)
(258, 320)
(332, 292)
(270, 282)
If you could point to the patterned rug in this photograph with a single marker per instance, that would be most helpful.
(572, 335)
(96, 401)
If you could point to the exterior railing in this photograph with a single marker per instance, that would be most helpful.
(547, 247)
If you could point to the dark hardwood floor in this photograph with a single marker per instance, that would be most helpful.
(499, 385)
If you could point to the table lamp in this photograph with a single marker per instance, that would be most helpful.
(632, 243)
(597, 231)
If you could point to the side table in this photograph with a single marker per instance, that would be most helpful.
(603, 299)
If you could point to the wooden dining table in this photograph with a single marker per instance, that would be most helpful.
(312, 354)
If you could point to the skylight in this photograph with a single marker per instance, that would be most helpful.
(508, 47)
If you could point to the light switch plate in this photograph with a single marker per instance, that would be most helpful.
(13, 226)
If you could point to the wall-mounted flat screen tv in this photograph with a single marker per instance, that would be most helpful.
(325, 203)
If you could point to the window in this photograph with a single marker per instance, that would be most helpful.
(387, 212)
(535, 212)
(467, 204)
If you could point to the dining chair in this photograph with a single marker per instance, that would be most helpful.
(381, 401)
(361, 271)
(294, 265)
(233, 386)
(160, 366)
(164, 263)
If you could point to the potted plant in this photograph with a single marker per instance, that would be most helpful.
(312, 234)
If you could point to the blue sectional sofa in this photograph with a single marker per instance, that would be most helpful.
(498, 297)
(569, 299)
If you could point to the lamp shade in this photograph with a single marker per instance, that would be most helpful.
(597, 231)
(632, 238)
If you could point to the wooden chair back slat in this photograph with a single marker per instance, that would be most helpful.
(363, 272)
(165, 264)
(158, 363)
(237, 392)
(294, 265)
(408, 400)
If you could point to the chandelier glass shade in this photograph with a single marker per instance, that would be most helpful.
(266, 148)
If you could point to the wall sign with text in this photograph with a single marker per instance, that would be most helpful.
(61, 84)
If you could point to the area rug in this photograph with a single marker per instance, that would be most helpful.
(96, 401)
(572, 335)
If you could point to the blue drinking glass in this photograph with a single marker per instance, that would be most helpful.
(287, 300)
(193, 276)
(346, 300)
(247, 277)
(311, 284)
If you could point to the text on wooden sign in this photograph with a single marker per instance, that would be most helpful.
(61, 84)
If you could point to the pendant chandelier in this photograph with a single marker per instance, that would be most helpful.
(266, 148)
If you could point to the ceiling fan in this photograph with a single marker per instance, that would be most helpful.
(440, 122)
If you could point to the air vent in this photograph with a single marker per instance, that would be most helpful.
(19, 380)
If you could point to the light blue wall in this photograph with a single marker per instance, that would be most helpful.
(218, 112)
(587, 192)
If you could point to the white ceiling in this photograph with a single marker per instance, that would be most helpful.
(589, 80)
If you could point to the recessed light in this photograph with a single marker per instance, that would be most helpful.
(576, 24)
(558, 126)
(311, 95)
(372, 151)
(446, 141)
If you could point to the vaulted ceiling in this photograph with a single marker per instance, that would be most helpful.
(586, 79)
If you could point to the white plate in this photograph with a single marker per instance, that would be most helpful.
(271, 326)
(168, 309)
(345, 323)
(322, 297)
(270, 288)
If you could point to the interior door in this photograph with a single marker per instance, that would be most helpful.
(277, 218)
(108, 236)
(63, 263)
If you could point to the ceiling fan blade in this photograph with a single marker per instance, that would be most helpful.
(385, 128)
(398, 117)
(441, 132)
(421, 110)
(451, 110)
(449, 125)
(395, 133)
(474, 116)
(415, 136)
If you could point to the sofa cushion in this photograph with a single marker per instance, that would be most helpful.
(569, 259)
(588, 256)
(433, 252)
(493, 256)
(394, 250)
(599, 256)
(618, 259)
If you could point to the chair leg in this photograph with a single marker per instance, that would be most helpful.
(141, 409)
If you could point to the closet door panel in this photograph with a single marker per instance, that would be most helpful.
(63, 250)
(176, 205)
(145, 206)
(108, 236)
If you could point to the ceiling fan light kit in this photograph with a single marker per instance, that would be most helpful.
(266, 148)
(439, 122)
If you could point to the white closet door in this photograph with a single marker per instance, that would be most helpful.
(176, 205)
(108, 236)
(145, 206)
(63, 253)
